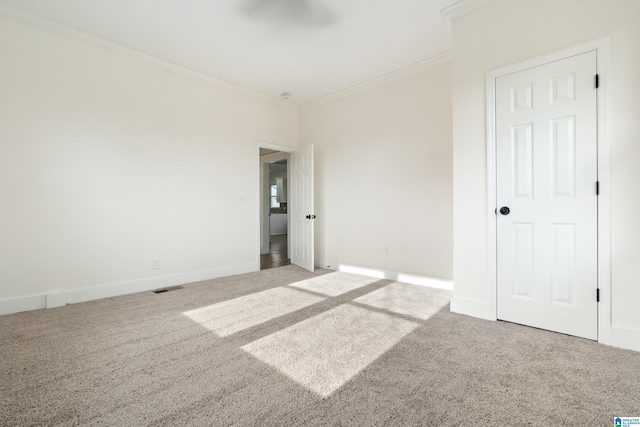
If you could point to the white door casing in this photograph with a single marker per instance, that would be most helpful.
(264, 208)
(546, 173)
(301, 208)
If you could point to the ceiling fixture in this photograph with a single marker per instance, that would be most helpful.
(286, 95)
(307, 13)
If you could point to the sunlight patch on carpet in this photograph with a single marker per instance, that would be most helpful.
(228, 317)
(417, 301)
(334, 284)
(324, 352)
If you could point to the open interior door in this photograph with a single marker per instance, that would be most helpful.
(302, 229)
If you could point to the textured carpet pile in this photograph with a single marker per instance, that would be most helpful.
(288, 347)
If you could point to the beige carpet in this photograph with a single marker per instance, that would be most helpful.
(289, 347)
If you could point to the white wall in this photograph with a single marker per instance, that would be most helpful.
(383, 175)
(509, 31)
(107, 162)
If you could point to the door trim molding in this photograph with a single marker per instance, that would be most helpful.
(601, 46)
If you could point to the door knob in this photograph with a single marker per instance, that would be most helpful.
(505, 210)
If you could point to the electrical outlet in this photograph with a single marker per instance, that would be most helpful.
(387, 249)
(155, 263)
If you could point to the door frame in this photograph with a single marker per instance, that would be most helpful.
(602, 47)
(262, 220)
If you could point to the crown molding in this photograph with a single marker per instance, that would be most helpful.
(463, 7)
(377, 81)
(103, 44)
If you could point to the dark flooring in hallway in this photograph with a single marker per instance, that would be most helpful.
(277, 256)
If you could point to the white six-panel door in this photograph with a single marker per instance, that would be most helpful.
(302, 234)
(546, 170)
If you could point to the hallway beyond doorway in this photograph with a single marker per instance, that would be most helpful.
(277, 256)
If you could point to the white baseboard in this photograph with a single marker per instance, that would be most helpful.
(414, 279)
(623, 338)
(472, 308)
(26, 303)
(615, 336)
(72, 296)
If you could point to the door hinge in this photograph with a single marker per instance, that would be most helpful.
(597, 81)
(598, 295)
(597, 188)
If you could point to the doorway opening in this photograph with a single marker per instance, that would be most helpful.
(299, 196)
(274, 224)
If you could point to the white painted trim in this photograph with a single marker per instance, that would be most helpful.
(272, 146)
(623, 338)
(100, 43)
(264, 208)
(386, 78)
(601, 47)
(463, 7)
(605, 326)
(72, 296)
(26, 303)
(414, 279)
(479, 309)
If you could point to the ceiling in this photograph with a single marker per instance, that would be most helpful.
(309, 48)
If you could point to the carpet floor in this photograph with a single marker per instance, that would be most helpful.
(285, 347)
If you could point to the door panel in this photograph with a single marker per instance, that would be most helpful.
(302, 238)
(546, 173)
